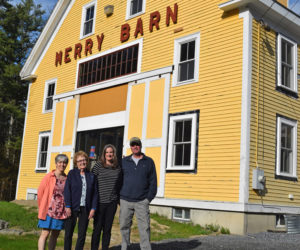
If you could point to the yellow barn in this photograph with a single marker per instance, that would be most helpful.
(211, 88)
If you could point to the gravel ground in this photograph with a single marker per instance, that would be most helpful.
(261, 241)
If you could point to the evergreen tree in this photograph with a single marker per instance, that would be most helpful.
(20, 26)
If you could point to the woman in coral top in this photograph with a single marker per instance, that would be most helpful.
(52, 213)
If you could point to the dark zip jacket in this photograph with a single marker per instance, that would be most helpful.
(139, 181)
(73, 190)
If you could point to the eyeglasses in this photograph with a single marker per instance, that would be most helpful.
(81, 161)
(134, 144)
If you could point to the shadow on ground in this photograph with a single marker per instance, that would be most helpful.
(173, 245)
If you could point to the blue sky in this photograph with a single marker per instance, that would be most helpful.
(48, 5)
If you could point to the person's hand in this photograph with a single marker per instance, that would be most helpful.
(68, 212)
(92, 213)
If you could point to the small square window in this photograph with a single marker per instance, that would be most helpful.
(181, 214)
(31, 194)
(48, 96)
(287, 64)
(286, 161)
(182, 142)
(135, 8)
(88, 19)
(280, 221)
(186, 59)
(42, 155)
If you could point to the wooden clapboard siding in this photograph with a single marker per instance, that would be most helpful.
(271, 102)
(218, 97)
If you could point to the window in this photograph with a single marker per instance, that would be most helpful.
(135, 8)
(186, 59)
(48, 95)
(286, 147)
(31, 194)
(88, 17)
(182, 142)
(118, 63)
(43, 151)
(280, 221)
(181, 214)
(287, 64)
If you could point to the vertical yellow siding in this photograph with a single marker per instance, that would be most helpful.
(263, 120)
(136, 111)
(69, 125)
(155, 110)
(58, 124)
(155, 153)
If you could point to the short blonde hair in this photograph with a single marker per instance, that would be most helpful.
(80, 153)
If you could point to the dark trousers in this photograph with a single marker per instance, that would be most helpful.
(70, 224)
(103, 221)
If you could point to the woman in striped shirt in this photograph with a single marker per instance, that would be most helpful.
(108, 173)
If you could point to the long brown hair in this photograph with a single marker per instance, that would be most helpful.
(115, 159)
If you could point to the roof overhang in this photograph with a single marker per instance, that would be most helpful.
(273, 13)
(45, 36)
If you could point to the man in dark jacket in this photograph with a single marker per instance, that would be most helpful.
(138, 190)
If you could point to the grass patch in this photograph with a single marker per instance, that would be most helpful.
(19, 216)
(13, 242)
(168, 229)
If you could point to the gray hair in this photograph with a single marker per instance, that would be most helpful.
(61, 157)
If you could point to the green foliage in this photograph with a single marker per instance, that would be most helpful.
(175, 229)
(18, 216)
(20, 26)
(212, 227)
(224, 230)
(13, 242)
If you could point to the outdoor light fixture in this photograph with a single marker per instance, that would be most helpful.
(108, 10)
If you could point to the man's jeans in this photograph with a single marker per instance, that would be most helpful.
(142, 213)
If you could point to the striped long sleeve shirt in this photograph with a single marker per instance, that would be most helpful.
(109, 182)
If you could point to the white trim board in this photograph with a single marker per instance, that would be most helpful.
(226, 206)
(115, 82)
(246, 107)
(115, 119)
(24, 129)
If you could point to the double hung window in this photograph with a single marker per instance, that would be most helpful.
(88, 19)
(182, 142)
(287, 64)
(43, 147)
(135, 8)
(286, 147)
(186, 59)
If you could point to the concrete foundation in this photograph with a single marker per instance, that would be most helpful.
(236, 222)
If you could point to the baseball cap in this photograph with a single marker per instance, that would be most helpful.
(135, 140)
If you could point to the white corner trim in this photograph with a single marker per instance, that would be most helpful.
(246, 107)
(24, 129)
(115, 119)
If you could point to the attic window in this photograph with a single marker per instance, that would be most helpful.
(116, 64)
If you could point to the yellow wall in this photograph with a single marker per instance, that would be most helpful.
(217, 94)
(271, 102)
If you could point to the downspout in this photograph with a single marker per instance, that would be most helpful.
(257, 92)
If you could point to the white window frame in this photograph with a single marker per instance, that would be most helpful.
(294, 81)
(177, 51)
(47, 83)
(173, 120)
(83, 15)
(41, 135)
(182, 218)
(128, 16)
(280, 121)
(31, 191)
